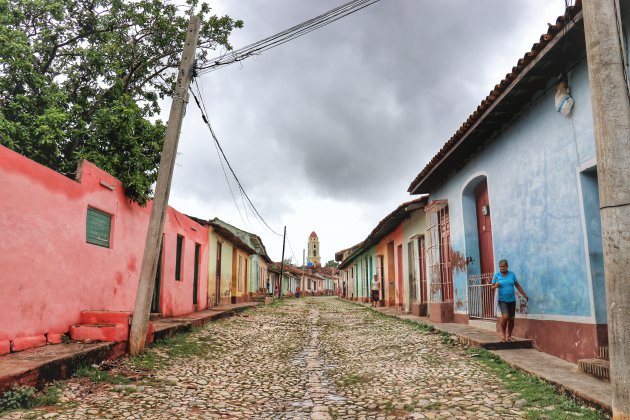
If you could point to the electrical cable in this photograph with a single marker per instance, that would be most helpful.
(292, 253)
(285, 36)
(248, 223)
(220, 160)
(238, 182)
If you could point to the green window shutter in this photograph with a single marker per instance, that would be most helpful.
(98, 227)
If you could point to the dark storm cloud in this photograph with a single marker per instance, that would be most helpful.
(353, 111)
(373, 96)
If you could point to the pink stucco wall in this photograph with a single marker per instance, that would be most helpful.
(49, 273)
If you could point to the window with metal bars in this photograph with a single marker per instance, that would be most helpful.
(439, 253)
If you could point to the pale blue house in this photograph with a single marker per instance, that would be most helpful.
(518, 181)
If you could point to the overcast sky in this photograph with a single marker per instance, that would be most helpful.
(326, 132)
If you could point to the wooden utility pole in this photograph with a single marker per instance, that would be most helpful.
(282, 263)
(611, 113)
(146, 284)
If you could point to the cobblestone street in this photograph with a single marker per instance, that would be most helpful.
(319, 358)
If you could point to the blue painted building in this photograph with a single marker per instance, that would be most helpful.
(518, 181)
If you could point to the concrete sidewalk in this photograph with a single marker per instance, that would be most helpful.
(36, 366)
(560, 373)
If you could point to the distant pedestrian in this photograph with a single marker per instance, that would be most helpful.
(375, 288)
(505, 281)
(297, 292)
(268, 286)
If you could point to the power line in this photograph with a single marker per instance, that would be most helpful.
(285, 36)
(292, 253)
(220, 160)
(216, 140)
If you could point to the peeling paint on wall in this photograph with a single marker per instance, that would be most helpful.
(522, 305)
(459, 304)
(458, 260)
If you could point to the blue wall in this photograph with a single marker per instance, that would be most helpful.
(536, 201)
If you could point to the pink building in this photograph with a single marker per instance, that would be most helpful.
(67, 246)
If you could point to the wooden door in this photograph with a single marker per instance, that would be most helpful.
(217, 286)
(422, 257)
(196, 273)
(484, 228)
(399, 260)
(157, 290)
(411, 274)
(391, 274)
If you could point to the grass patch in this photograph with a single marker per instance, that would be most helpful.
(353, 379)
(20, 397)
(388, 407)
(126, 390)
(277, 303)
(149, 360)
(409, 407)
(96, 375)
(419, 326)
(181, 345)
(432, 406)
(543, 401)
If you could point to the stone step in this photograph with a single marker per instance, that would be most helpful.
(107, 332)
(595, 367)
(518, 343)
(106, 317)
(99, 332)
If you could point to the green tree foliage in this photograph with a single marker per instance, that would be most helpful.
(332, 263)
(83, 79)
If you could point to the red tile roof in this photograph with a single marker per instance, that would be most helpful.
(385, 226)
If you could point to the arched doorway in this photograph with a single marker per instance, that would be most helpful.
(479, 249)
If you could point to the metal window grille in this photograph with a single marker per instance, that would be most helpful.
(439, 251)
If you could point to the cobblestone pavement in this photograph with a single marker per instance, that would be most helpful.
(317, 358)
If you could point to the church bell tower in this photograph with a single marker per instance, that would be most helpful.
(313, 250)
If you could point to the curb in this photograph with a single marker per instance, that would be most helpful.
(30, 373)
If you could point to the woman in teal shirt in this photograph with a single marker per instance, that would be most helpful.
(506, 281)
